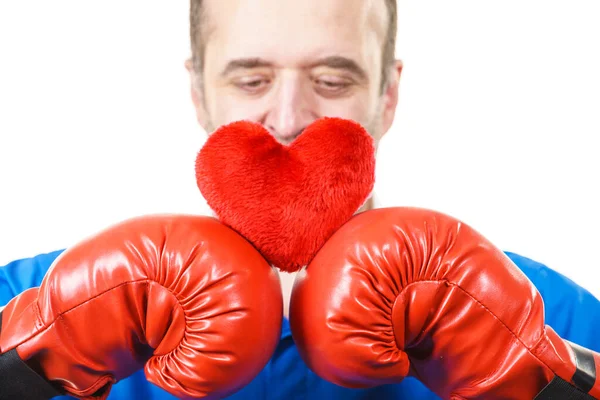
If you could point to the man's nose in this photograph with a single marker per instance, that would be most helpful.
(291, 111)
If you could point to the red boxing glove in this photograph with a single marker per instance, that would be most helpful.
(185, 297)
(401, 291)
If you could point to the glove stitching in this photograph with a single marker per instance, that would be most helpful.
(61, 313)
(517, 338)
(100, 382)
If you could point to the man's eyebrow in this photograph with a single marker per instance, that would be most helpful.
(335, 62)
(339, 62)
(244, 63)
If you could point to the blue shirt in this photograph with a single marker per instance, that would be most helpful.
(570, 310)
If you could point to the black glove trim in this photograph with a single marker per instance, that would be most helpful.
(584, 379)
(585, 375)
(559, 389)
(19, 381)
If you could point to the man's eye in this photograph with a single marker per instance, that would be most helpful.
(331, 85)
(252, 85)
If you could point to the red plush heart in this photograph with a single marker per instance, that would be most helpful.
(287, 200)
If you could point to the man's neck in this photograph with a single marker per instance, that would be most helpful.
(369, 205)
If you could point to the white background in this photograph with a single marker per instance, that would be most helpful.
(498, 122)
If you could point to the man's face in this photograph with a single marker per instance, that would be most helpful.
(286, 63)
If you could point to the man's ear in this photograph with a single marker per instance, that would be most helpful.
(390, 95)
(197, 96)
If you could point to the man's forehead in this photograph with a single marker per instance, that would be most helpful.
(289, 18)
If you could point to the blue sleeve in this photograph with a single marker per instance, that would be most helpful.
(23, 274)
(572, 311)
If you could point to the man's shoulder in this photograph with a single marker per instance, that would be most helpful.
(41, 261)
(549, 282)
(544, 277)
(571, 310)
(37, 258)
(530, 266)
(24, 273)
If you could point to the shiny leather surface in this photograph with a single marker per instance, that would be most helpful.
(184, 297)
(402, 292)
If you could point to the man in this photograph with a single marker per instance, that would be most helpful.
(285, 64)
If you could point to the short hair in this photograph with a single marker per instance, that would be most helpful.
(198, 37)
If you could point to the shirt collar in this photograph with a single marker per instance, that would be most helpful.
(286, 332)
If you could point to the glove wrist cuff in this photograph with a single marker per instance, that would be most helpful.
(19, 381)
